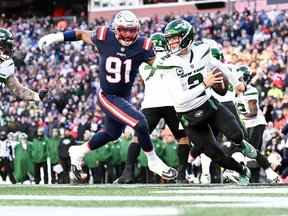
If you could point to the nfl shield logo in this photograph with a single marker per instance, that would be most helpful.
(122, 49)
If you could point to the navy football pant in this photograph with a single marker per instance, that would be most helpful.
(119, 113)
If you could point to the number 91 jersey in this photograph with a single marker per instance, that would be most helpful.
(119, 64)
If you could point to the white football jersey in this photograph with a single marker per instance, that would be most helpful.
(184, 76)
(250, 94)
(7, 68)
(155, 95)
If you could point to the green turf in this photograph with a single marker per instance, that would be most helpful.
(187, 207)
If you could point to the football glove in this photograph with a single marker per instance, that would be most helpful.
(49, 39)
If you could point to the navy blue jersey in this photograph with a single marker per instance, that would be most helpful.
(119, 64)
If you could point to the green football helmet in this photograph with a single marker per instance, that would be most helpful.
(6, 43)
(217, 53)
(159, 41)
(246, 73)
(182, 29)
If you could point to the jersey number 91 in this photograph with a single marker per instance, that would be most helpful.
(114, 67)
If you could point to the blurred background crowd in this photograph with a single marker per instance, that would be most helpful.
(70, 72)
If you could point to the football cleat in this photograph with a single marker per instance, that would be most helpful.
(248, 150)
(159, 167)
(272, 176)
(76, 154)
(230, 176)
(126, 177)
(205, 179)
(245, 177)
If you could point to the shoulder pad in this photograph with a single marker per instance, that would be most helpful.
(101, 33)
(197, 43)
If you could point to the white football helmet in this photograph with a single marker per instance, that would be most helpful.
(126, 27)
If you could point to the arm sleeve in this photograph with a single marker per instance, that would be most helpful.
(149, 53)
(99, 36)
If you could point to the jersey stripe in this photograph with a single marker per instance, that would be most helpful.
(147, 44)
(118, 113)
(101, 33)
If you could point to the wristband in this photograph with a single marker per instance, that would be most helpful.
(70, 36)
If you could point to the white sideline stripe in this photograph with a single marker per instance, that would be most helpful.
(72, 211)
(196, 198)
(225, 191)
(241, 205)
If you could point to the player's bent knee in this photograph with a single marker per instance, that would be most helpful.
(142, 127)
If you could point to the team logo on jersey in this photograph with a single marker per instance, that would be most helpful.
(179, 71)
(198, 113)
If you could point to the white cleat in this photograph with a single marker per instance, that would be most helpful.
(272, 176)
(230, 176)
(205, 179)
(159, 167)
(76, 154)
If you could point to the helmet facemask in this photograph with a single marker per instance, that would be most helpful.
(126, 27)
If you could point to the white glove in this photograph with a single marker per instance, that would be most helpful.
(49, 39)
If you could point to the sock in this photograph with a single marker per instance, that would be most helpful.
(183, 153)
(133, 153)
(205, 162)
(151, 155)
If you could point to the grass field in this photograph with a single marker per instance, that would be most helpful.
(136, 200)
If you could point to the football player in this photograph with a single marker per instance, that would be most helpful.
(155, 106)
(121, 51)
(189, 84)
(7, 70)
(242, 76)
(255, 122)
(239, 78)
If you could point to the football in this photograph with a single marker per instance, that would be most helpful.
(221, 88)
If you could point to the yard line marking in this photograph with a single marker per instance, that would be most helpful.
(72, 211)
(225, 191)
(197, 198)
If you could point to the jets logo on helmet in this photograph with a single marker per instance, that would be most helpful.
(179, 34)
(126, 27)
(6, 43)
(159, 42)
(246, 73)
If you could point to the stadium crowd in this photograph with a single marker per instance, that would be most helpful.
(70, 72)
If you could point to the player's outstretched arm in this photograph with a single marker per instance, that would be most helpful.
(21, 91)
(73, 35)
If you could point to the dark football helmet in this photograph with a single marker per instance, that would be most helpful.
(6, 43)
